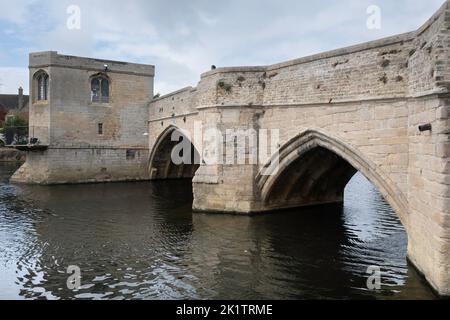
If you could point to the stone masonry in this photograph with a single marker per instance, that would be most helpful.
(381, 108)
(352, 109)
(68, 122)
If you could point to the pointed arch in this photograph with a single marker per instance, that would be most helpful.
(41, 85)
(320, 159)
(100, 87)
(159, 140)
(161, 165)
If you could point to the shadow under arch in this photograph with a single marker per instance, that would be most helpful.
(314, 168)
(160, 164)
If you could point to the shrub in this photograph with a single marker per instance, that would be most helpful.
(224, 86)
(16, 121)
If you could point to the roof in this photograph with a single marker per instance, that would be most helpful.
(11, 101)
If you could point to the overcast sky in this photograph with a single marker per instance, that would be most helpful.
(183, 38)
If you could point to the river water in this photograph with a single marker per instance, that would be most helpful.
(142, 241)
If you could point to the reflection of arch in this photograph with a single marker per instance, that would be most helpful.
(315, 168)
(161, 165)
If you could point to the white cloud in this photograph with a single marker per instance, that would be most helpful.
(184, 38)
(15, 11)
(13, 78)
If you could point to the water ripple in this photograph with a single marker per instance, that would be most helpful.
(141, 241)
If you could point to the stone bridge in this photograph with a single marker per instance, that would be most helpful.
(380, 108)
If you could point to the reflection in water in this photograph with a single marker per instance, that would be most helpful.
(141, 240)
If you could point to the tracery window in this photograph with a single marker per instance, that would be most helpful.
(41, 85)
(100, 89)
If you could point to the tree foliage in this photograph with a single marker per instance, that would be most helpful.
(15, 121)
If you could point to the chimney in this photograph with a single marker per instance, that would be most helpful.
(20, 104)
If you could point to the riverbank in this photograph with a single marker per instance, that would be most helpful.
(11, 155)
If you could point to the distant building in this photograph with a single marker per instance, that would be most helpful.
(14, 104)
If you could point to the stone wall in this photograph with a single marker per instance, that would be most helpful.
(429, 190)
(365, 95)
(68, 121)
(11, 155)
(175, 104)
(83, 165)
(352, 109)
(364, 103)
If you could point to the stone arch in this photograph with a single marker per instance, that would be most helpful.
(100, 87)
(161, 165)
(41, 86)
(325, 164)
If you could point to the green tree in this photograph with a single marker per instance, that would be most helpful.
(15, 121)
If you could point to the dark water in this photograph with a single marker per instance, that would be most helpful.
(142, 241)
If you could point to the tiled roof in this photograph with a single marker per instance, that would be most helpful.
(11, 101)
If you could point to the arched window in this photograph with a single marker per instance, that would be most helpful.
(100, 89)
(41, 86)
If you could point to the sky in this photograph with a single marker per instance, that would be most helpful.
(183, 38)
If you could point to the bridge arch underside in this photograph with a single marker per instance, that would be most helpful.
(162, 167)
(314, 168)
(319, 176)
